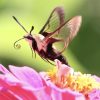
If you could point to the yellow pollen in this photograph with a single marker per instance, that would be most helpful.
(82, 83)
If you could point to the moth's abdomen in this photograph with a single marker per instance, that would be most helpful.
(53, 54)
(62, 59)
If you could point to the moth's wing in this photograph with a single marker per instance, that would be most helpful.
(55, 20)
(67, 31)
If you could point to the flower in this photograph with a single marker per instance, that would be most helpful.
(61, 83)
(94, 94)
(64, 78)
(21, 83)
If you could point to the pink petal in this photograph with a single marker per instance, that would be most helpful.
(17, 91)
(64, 94)
(45, 77)
(94, 94)
(3, 69)
(12, 80)
(28, 75)
(96, 78)
(43, 93)
(6, 95)
(63, 69)
(23, 93)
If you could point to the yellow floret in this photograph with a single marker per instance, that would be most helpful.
(82, 83)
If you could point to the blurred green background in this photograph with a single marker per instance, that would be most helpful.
(84, 51)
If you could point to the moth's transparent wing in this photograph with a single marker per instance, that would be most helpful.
(55, 20)
(72, 27)
(66, 32)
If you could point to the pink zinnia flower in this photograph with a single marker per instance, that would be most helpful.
(67, 82)
(21, 83)
(61, 83)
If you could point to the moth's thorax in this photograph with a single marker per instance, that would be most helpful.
(38, 37)
(40, 43)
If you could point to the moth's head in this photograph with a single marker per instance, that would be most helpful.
(29, 35)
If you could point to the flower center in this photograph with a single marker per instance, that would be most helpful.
(77, 81)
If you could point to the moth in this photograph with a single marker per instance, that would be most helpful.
(55, 30)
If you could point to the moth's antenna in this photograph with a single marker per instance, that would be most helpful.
(19, 24)
(32, 28)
